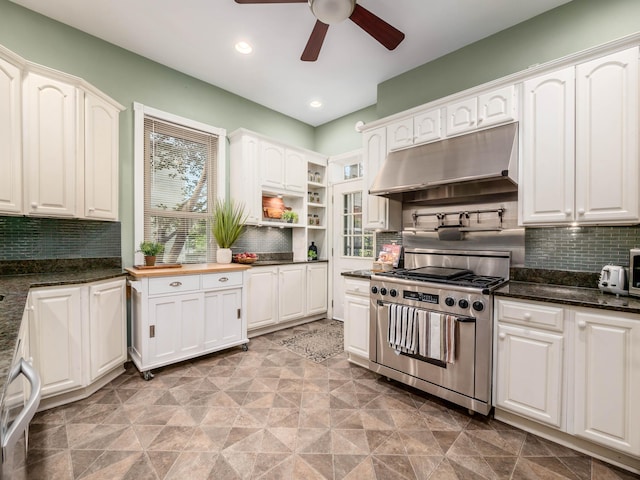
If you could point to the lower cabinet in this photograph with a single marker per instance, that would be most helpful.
(280, 295)
(178, 317)
(76, 335)
(574, 369)
(356, 319)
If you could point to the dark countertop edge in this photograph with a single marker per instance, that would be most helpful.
(15, 289)
(568, 295)
(271, 263)
(363, 274)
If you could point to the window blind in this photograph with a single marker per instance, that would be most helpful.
(179, 184)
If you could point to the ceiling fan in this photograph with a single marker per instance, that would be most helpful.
(329, 12)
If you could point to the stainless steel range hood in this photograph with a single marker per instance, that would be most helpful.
(467, 168)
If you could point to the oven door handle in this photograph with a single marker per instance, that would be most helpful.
(382, 303)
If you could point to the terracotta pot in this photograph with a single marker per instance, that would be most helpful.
(150, 260)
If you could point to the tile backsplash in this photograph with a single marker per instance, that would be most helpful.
(264, 239)
(28, 238)
(580, 249)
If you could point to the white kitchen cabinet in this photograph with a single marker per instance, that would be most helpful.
(101, 158)
(281, 168)
(17, 391)
(606, 375)
(291, 291)
(295, 175)
(262, 294)
(10, 137)
(379, 213)
(316, 288)
(177, 317)
(422, 128)
(579, 160)
(243, 179)
(52, 146)
(107, 323)
(55, 337)
(529, 373)
(356, 319)
(487, 109)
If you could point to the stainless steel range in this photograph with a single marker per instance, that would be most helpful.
(431, 323)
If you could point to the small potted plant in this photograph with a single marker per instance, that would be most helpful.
(151, 250)
(289, 216)
(228, 221)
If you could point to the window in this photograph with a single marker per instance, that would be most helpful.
(356, 241)
(180, 170)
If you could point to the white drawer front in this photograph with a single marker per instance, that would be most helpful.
(356, 287)
(174, 284)
(532, 314)
(221, 280)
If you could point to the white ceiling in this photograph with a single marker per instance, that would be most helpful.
(197, 37)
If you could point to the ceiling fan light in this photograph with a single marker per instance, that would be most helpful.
(332, 11)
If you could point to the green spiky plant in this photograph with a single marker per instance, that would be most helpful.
(228, 219)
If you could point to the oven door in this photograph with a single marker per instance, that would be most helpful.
(458, 376)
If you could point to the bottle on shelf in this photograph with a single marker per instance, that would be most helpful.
(312, 252)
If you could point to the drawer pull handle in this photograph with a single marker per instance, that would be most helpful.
(223, 279)
(175, 284)
(527, 316)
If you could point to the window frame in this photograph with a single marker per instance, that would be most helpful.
(140, 112)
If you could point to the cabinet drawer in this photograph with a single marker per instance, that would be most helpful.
(175, 284)
(533, 314)
(221, 280)
(356, 287)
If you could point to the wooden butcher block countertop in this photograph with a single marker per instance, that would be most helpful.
(186, 269)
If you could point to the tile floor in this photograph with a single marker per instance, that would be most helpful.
(271, 414)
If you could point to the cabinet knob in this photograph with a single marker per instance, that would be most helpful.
(567, 212)
(582, 324)
(91, 209)
(97, 294)
(581, 211)
(175, 284)
(502, 336)
(527, 316)
(34, 205)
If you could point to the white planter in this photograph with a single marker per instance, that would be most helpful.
(223, 255)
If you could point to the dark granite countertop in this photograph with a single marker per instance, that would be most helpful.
(15, 289)
(267, 263)
(364, 274)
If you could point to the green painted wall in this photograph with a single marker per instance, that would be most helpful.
(340, 136)
(567, 29)
(127, 77)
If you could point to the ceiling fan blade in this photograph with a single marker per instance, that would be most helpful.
(247, 2)
(384, 33)
(312, 50)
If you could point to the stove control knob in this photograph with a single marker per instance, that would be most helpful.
(478, 305)
(393, 292)
(383, 291)
(463, 303)
(450, 301)
(374, 290)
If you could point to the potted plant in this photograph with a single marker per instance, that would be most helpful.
(228, 221)
(151, 250)
(289, 216)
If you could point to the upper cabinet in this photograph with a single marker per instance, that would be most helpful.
(487, 109)
(65, 161)
(424, 127)
(580, 143)
(10, 136)
(282, 169)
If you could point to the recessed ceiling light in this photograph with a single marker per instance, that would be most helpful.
(244, 48)
(315, 104)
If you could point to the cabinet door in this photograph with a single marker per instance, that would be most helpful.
(18, 391)
(427, 126)
(400, 134)
(606, 380)
(295, 173)
(462, 116)
(107, 327)
(316, 288)
(55, 337)
(272, 169)
(176, 324)
(262, 297)
(497, 107)
(529, 373)
(356, 325)
(51, 146)
(607, 138)
(100, 159)
(10, 138)
(222, 318)
(546, 194)
(291, 294)
(243, 176)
